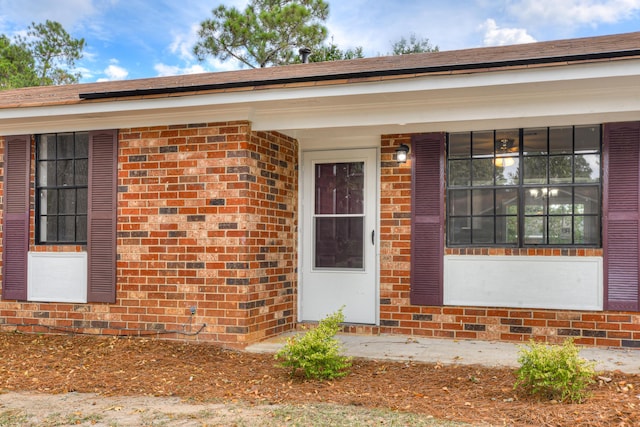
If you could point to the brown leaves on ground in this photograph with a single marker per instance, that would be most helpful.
(205, 372)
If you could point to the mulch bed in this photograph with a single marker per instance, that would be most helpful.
(204, 372)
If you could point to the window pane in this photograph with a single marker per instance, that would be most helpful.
(507, 141)
(46, 147)
(587, 139)
(560, 230)
(587, 168)
(339, 242)
(459, 202)
(339, 188)
(64, 172)
(48, 228)
(534, 230)
(482, 230)
(507, 230)
(460, 145)
(48, 202)
(82, 201)
(507, 201)
(82, 144)
(46, 173)
(587, 200)
(459, 172)
(535, 141)
(82, 172)
(65, 146)
(560, 201)
(81, 228)
(66, 228)
(67, 201)
(560, 169)
(535, 201)
(459, 231)
(561, 140)
(483, 144)
(482, 172)
(535, 170)
(483, 202)
(507, 169)
(586, 230)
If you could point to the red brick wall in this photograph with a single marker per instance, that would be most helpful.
(398, 316)
(206, 220)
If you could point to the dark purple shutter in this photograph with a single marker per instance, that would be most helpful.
(101, 233)
(15, 243)
(427, 218)
(621, 189)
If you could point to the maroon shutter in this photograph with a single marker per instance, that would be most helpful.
(427, 219)
(621, 199)
(15, 243)
(101, 233)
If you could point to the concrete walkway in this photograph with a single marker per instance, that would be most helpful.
(433, 350)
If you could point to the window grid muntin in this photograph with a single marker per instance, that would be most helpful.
(521, 188)
(79, 154)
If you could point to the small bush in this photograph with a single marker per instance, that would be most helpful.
(317, 352)
(554, 371)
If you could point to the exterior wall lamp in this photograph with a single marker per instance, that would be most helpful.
(402, 153)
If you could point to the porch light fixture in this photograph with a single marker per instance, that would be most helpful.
(402, 153)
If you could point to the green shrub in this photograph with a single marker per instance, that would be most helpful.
(317, 352)
(554, 371)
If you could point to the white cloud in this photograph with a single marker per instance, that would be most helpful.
(496, 36)
(114, 72)
(573, 13)
(183, 43)
(174, 70)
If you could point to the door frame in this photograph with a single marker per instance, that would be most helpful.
(302, 225)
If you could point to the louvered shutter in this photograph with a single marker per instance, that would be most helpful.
(15, 242)
(621, 189)
(101, 233)
(427, 219)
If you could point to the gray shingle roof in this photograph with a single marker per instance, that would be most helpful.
(541, 54)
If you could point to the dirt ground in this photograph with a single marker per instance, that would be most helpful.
(140, 378)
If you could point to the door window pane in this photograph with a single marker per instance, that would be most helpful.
(339, 188)
(339, 242)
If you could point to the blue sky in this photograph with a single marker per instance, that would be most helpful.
(128, 39)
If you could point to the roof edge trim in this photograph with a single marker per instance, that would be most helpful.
(360, 74)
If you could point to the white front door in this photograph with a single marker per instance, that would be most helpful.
(338, 235)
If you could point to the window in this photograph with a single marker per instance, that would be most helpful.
(61, 188)
(524, 187)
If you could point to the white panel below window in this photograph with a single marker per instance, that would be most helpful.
(571, 283)
(57, 277)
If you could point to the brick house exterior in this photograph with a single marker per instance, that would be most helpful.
(217, 194)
